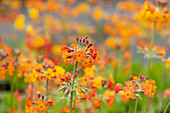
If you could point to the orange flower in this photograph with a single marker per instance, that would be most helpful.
(29, 102)
(127, 56)
(149, 88)
(41, 106)
(128, 93)
(80, 55)
(3, 73)
(11, 68)
(167, 62)
(66, 109)
(97, 103)
(51, 102)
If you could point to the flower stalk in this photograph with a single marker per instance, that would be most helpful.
(151, 46)
(136, 105)
(72, 86)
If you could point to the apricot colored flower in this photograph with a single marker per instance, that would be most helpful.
(149, 88)
(66, 109)
(151, 13)
(41, 106)
(97, 82)
(29, 102)
(128, 93)
(49, 74)
(97, 103)
(3, 73)
(84, 53)
(109, 96)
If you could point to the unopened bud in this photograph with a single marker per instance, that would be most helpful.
(131, 77)
(86, 37)
(89, 45)
(77, 39)
(140, 75)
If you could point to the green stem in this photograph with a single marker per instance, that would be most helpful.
(72, 86)
(46, 91)
(151, 46)
(136, 105)
(166, 107)
(11, 92)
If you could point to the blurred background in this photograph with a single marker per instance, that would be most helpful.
(114, 26)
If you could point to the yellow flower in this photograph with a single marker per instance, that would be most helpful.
(49, 73)
(19, 22)
(111, 78)
(38, 42)
(89, 72)
(33, 13)
(98, 82)
(108, 93)
(59, 71)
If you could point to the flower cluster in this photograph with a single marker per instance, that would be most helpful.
(157, 14)
(136, 86)
(84, 52)
(39, 105)
(44, 72)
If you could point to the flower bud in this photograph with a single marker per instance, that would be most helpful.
(131, 77)
(89, 45)
(86, 37)
(140, 75)
(77, 39)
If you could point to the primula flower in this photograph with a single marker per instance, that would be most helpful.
(97, 82)
(109, 96)
(149, 88)
(51, 102)
(151, 13)
(66, 109)
(29, 102)
(128, 93)
(84, 53)
(41, 106)
(97, 103)
(3, 73)
(49, 74)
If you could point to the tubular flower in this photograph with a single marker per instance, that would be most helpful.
(149, 88)
(84, 53)
(158, 14)
(128, 93)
